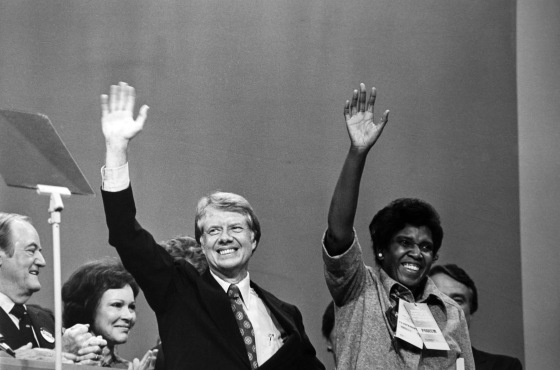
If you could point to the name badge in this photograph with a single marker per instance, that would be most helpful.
(47, 336)
(426, 326)
(406, 330)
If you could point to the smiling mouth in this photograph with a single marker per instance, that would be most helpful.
(36, 273)
(411, 267)
(224, 252)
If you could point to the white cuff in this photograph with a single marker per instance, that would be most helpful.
(115, 179)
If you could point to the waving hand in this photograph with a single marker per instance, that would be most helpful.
(118, 123)
(362, 129)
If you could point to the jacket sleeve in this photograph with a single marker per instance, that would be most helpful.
(309, 358)
(149, 263)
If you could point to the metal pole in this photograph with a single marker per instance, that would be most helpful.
(55, 221)
(55, 207)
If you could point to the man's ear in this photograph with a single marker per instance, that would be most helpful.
(253, 242)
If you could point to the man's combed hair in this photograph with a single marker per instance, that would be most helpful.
(83, 290)
(186, 248)
(229, 202)
(457, 273)
(6, 220)
(399, 213)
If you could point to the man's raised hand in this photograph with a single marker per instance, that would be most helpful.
(117, 121)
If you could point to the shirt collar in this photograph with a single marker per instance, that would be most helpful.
(431, 290)
(244, 285)
(391, 285)
(6, 303)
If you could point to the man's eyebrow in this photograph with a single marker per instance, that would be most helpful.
(34, 245)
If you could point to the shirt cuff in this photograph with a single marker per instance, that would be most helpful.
(115, 179)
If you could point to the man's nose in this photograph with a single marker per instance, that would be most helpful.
(225, 237)
(40, 260)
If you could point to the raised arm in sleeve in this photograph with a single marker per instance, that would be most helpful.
(363, 133)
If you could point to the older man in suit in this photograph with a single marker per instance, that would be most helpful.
(20, 263)
(220, 319)
(24, 327)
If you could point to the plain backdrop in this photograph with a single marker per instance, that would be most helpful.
(538, 78)
(247, 96)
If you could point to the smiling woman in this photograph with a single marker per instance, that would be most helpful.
(373, 303)
(102, 295)
(406, 236)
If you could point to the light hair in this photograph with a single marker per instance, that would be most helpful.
(229, 202)
(6, 221)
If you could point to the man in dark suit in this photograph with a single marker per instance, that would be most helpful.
(457, 284)
(220, 319)
(23, 327)
(20, 263)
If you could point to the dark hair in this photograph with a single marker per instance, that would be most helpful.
(186, 248)
(82, 292)
(399, 213)
(457, 273)
(328, 321)
(6, 220)
(230, 202)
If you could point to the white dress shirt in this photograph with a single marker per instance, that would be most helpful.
(7, 305)
(267, 337)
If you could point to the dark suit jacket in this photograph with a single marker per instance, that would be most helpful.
(489, 361)
(195, 320)
(43, 325)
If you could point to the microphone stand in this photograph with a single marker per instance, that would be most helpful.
(55, 208)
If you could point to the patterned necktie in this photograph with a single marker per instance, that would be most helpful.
(24, 324)
(245, 327)
(393, 311)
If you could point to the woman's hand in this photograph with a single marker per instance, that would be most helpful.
(148, 362)
(363, 131)
(91, 352)
(74, 337)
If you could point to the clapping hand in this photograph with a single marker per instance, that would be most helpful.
(148, 362)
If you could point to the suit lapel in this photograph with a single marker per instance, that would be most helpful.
(9, 330)
(43, 325)
(284, 357)
(280, 314)
(219, 307)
